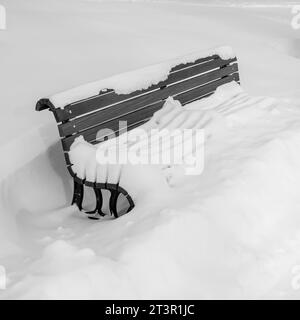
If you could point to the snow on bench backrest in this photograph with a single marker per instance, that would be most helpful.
(137, 95)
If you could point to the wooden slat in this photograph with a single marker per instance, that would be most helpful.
(179, 93)
(111, 112)
(117, 132)
(100, 101)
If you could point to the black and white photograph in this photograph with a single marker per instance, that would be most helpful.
(149, 151)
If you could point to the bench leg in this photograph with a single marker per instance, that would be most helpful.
(99, 203)
(131, 204)
(113, 201)
(114, 195)
(78, 194)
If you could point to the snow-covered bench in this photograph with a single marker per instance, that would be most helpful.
(133, 97)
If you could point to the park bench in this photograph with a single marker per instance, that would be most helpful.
(85, 114)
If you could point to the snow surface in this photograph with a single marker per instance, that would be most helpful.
(232, 232)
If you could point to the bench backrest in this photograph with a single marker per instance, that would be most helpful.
(186, 82)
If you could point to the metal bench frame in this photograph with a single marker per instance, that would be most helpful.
(186, 83)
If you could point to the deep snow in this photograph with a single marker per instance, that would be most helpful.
(233, 232)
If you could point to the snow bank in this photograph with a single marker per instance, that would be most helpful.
(234, 232)
(241, 219)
